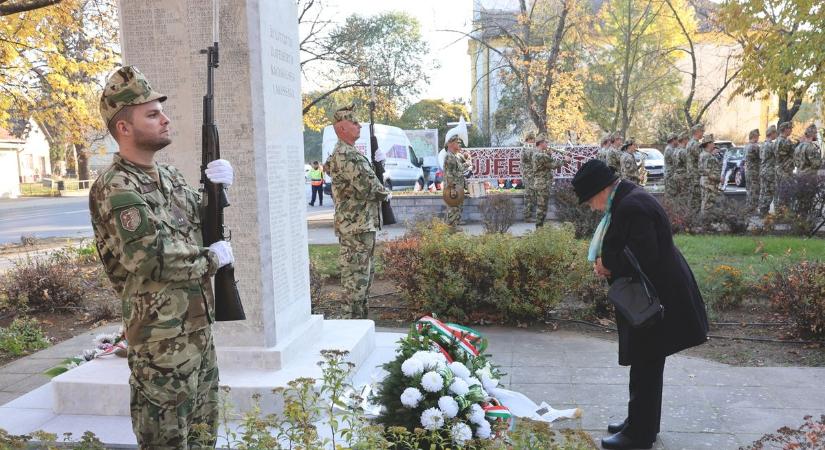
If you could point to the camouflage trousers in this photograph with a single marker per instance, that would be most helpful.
(454, 215)
(542, 199)
(529, 199)
(671, 188)
(782, 194)
(357, 269)
(695, 190)
(752, 186)
(174, 392)
(711, 198)
(767, 188)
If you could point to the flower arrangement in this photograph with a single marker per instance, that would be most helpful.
(104, 345)
(440, 381)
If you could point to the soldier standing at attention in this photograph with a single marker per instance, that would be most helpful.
(692, 152)
(752, 166)
(710, 173)
(629, 166)
(614, 155)
(783, 148)
(358, 195)
(543, 166)
(146, 221)
(527, 175)
(670, 187)
(680, 167)
(455, 166)
(807, 156)
(767, 171)
(601, 153)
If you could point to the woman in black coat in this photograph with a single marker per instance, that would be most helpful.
(635, 219)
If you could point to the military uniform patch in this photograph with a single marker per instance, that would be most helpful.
(130, 219)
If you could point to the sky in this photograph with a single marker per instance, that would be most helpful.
(452, 79)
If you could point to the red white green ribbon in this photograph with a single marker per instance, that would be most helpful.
(496, 411)
(467, 339)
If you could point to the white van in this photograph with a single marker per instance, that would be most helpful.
(401, 168)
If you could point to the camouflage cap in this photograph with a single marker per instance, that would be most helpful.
(753, 133)
(706, 139)
(541, 137)
(671, 137)
(784, 126)
(697, 127)
(810, 131)
(345, 113)
(529, 136)
(126, 87)
(606, 138)
(771, 130)
(628, 143)
(684, 135)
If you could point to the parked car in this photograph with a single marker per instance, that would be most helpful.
(654, 163)
(734, 163)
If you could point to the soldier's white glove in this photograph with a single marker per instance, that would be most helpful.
(389, 196)
(223, 251)
(380, 155)
(220, 171)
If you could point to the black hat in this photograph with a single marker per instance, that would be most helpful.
(591, 178)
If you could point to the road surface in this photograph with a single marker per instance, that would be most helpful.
(44, 217)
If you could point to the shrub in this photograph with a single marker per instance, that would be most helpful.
(807, 202)
(725, 288)
(799, 291)
(316, 282)
(810, 434)
(735, 215)
(495, 277)
(42, 283)
(683, 219)
(22, 336)
(568, 209)
(498, 213)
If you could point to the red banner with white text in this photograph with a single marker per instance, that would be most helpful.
(495, 163)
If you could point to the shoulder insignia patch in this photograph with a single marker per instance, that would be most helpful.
(130, 219)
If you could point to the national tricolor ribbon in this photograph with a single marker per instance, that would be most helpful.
(469, 340)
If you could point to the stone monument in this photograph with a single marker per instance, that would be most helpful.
(258, 113)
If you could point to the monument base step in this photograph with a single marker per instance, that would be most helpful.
(101, 387)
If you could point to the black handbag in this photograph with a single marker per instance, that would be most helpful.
(635, 297)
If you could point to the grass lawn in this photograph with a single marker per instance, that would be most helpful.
(325, 257)
(753, 255)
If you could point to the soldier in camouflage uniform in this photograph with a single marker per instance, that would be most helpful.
(630, 169)
(527, 175)
(670, 187)
(455, 166)
(601, 153)
(614, 155)
(767, 171)
(783, 151)
(692, 152)
(752, 166)
(544, 166)
(358, 195)
(680, 167)
(710, 175)
(807, 157)
(146, 221)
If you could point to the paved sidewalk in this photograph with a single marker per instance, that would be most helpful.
(707, 405)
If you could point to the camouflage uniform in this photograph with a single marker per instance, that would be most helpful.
(752, 168)
(614, 159)
(454, 168)
(767, 174)
(544, 167)
(807, 157)
(147, 230)
(629, 168)
(358, 195)
(692, 152)
(670, 186)
(679, 173)
(784, 150)
(527, 178)
(601, 153)
(710, 171)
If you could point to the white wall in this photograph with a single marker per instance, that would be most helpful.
(34, 160)
(9, 186)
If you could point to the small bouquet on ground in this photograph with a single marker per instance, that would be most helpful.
(439, 381)
(104, 345)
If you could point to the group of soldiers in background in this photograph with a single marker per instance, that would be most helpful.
(693, 171)
(537, 171)
(619, 154)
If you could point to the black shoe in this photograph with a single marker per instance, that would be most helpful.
(310, 204)
(621, 441)
(614, 428)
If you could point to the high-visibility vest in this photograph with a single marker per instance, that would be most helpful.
(316, 176)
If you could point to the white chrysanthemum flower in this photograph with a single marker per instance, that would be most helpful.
(71, 365)
(472, 381)
(430, 360)
(412, 367)
(489, 382)
(459, 387)
(432, 419)
(484, 431)
(476, 414)
(432, 382)
(101, 339)
(461, 433)
(410, 397)
(460, 370)
(448, 406)
(89, 354)
(487, 371)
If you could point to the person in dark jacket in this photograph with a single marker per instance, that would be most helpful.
(635, 219)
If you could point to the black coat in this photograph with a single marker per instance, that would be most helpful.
(640, 222)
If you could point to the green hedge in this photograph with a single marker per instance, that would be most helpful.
(492, 277)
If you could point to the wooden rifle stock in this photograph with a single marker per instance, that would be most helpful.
(228, 304)
(387, 216)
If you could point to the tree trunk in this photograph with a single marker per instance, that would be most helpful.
(82, 162)
(786, 113)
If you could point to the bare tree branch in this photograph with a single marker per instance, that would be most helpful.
(9, 7)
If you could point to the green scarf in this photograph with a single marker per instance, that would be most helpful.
(595, 250)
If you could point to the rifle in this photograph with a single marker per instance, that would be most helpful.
(228, 304)
(387, 216)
